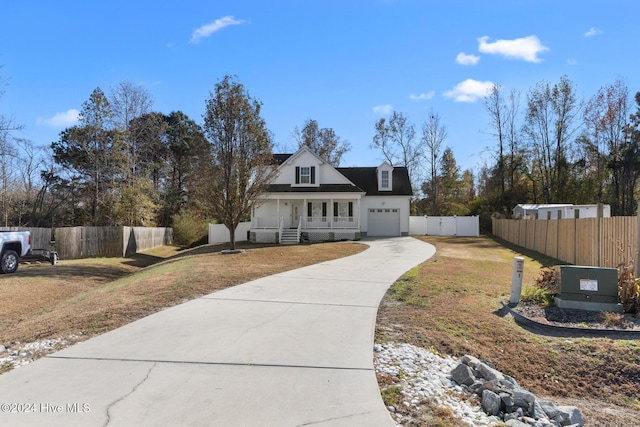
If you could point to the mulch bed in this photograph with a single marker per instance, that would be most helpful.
(573, 318)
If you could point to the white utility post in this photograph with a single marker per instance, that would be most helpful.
(516, 279)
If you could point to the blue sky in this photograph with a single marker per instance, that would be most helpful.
(343, 63)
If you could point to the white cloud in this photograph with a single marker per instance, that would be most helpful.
(593, 31)
(572, 61)
(469, 90)
(61, 120)
(525, 48)
(210, 28)
(421, 96)
(464, 59)
(383, 109)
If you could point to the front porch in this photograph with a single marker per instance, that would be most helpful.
(298, 220)
(309, 229)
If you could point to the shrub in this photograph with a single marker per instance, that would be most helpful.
(547, 280)
(537, 295)
(189, 228)
(628, 288)
(544, 289)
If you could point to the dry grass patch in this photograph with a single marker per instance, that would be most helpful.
(452, 303)
(94, 296)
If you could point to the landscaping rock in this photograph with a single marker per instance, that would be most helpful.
(502, 396)
(491, 402)
(463, 374)
(568, 415)
(488, 373)
(516, 423)
(470, 361)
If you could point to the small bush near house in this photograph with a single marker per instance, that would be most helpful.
(628, 288)
(544, 289)
(537, 295)
(189, 228)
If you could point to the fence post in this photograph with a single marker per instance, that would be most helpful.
(575, 239)
(557, 256)
(599, 215)
(637, 254)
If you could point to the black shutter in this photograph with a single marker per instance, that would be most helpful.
(297, 174)
(309, 210)
(350, 209)
(324, 211)
(313, 174)
(335, 208)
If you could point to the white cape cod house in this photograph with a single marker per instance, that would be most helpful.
(310, 200)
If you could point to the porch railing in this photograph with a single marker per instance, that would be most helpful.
(329, 222)
(305, 222)
(266, 222)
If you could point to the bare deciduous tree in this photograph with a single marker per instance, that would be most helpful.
(395, 138)
(433, 135)
(549, 127)
(322, 141)
(241, 151)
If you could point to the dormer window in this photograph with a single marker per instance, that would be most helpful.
(305, 175)
(384, 179)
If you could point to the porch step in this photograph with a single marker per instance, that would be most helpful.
(289, 237)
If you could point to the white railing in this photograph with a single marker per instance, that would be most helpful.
(327, 222)
(345, 222)
(299, 230)
(304, 222)
(280, 227)
(266, 222)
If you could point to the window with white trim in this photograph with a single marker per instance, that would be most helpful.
(384, 179)
(305, 175)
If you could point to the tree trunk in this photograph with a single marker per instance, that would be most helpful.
(232, 237)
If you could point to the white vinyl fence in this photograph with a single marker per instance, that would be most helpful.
(219, 233)
(444, 225)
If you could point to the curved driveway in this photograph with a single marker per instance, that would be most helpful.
(292, 349)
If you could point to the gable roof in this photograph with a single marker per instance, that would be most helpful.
(367, 179)
(362, 179)
(279, 159)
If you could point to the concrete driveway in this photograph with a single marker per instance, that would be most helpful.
(292, 349)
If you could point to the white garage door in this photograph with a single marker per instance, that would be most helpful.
(384, 222)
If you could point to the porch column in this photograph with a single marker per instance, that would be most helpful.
(304, 212)
(330, 211)
(278, 212)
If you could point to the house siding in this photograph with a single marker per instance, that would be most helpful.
(328, 186)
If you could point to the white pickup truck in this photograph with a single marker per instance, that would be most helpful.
(13, 246)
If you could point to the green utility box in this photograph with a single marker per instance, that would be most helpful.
(587, 288)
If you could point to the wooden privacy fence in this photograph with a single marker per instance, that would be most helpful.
(89, 242)
(599, 242)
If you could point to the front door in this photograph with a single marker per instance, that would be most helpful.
(295, 214)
